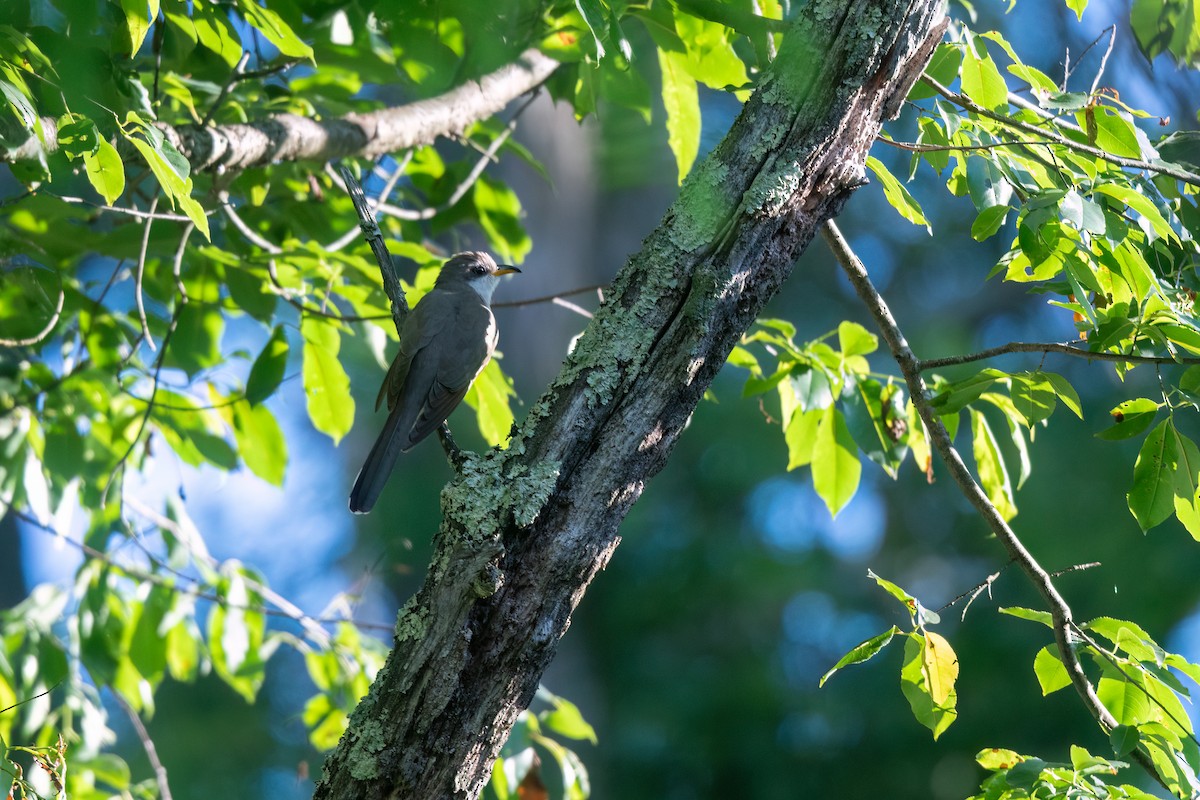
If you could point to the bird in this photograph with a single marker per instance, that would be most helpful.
(445, 342)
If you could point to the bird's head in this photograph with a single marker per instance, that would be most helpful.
(474, 269)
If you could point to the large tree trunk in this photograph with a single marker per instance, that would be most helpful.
(527, 528)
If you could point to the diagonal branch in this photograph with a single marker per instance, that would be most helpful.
(967, 103)
(1063, 348)
(287, 137)
(1062, 622)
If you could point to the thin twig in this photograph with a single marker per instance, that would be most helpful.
(158, 363)
(192, 590)
(246, 230)
(913, 147)
(141, 272)
(567, 304)
(177, 269)
(1064, 348)
(1111, 30)
(1131, 163)
(160, 772)
(466, 184)
(46, 330)
(549, 298)
(1061, 618)
(233, 77)
(349, 236)
(132, 212)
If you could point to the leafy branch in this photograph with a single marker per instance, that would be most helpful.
(1063, 623)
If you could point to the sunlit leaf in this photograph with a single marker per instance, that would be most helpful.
(326, 384)
(835, 465)
(1151, 498)
(862, 652)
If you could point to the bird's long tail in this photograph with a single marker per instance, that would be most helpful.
(378, 467)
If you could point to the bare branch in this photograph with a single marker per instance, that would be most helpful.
(160, 772)
(141, 273)
(1130, 163)
(287, 137)
(1065, 348)
(1063, 625)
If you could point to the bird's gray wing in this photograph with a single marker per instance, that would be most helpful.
(462, 349)
(420, 327)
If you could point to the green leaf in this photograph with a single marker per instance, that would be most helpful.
(1051, 673)
(138, 15)
(326, 385)
(927, 680)
(489, 396)
(895, 591)
(981, 80)
(1167, 27)
(196, 343)
(1033, 396)
(855, 340)
(711, 56)
(272, 26)
(1142, 205)
(1078, 7)
(105, 171)
(989, 222)
(593, 15)
(1151, 498)
(682, 103)
(876, 418)
(1016, 432)
(1187, 482)
(1130, 418)
(499, 213)
(801, 436)
(1124, 740)
(148, 647)
(260, 441)
(995, 758)
(566, 720)
(943, 68)
(862, 652)
(268, 369)
(1125, 699)
(993, 475)
(236, 629)
(955, 396)
(1029, 614)
(897, 195)
(1114, 132)
(1066, 392)
(835, 465)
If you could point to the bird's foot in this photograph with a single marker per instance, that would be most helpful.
(454, 454)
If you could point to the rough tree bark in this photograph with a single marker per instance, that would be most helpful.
(526, 529)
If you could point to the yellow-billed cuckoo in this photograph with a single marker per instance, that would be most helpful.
(447, 340)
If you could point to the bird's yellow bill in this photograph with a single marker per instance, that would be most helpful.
(507, 270)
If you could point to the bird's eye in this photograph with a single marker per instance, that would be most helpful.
(479, 269)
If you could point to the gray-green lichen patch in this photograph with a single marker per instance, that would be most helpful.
(773, 187)
(490, 487)
(703, 206)
(412, 621)
(369, 741)
(531, 487)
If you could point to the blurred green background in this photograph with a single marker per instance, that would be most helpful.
(696, 654)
